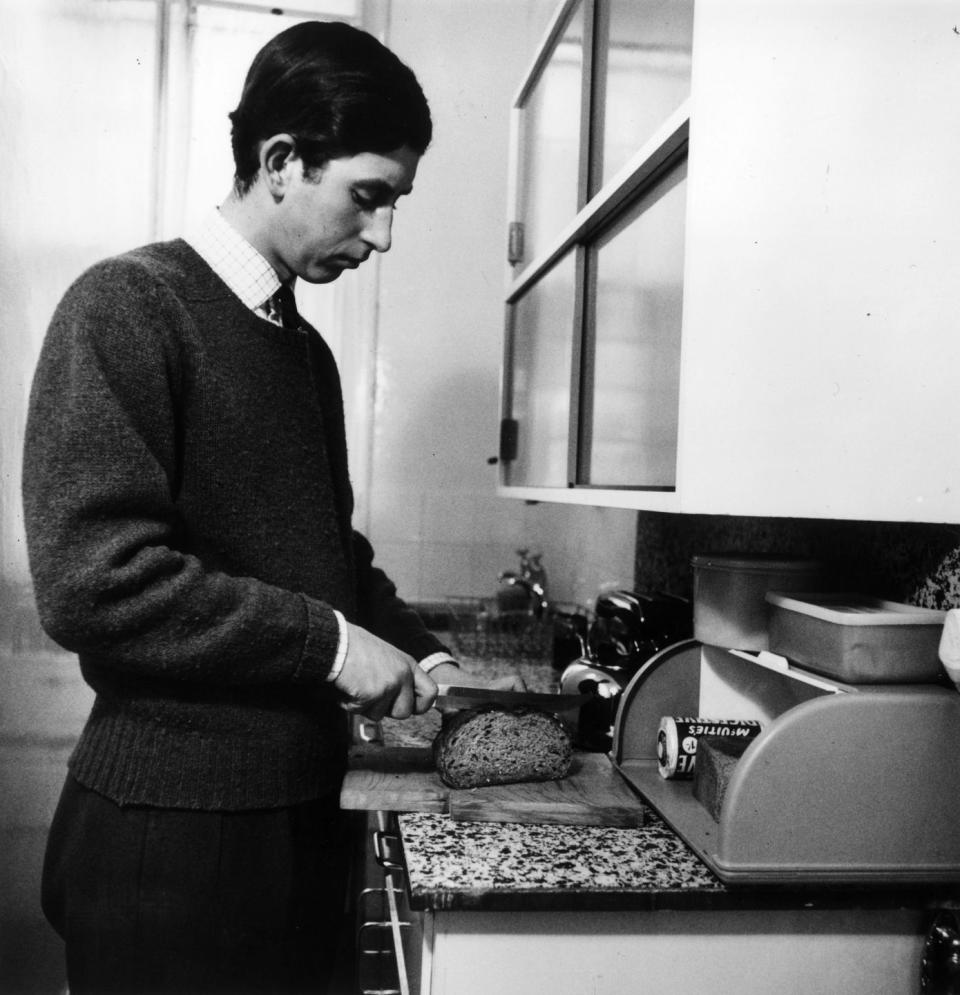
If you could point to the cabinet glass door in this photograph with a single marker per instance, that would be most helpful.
(540, 364)
(643, 76)
(632, 354)
(591, 379)
(550, 109)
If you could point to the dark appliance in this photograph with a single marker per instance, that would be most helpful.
(628, 628)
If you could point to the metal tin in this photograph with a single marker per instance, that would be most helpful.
(677, 741)
(729, 595)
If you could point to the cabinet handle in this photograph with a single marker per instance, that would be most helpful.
(515, 243)
(509, 429)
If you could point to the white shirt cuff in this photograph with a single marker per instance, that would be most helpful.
(341, 647)
(434, 660)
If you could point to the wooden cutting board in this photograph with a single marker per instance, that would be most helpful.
(403, 779)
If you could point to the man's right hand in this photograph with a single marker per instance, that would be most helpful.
(378, 680)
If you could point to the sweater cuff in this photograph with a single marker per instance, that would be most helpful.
(342, 647)
(321, 644)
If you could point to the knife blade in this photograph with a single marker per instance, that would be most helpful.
(452, 696)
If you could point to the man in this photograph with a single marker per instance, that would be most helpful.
(188, 513)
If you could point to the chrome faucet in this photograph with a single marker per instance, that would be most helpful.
(532, 577)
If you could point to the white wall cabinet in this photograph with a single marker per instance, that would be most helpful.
(819, 369)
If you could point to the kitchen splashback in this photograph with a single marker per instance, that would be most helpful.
(909, 562)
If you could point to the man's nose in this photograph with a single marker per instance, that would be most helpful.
(377, 233)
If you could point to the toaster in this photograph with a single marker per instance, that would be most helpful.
(628, 628)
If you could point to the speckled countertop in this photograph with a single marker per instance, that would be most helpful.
(452, 864)
(478, 865)
(511, 866)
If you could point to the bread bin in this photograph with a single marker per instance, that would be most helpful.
(846, 783)
(729, 595)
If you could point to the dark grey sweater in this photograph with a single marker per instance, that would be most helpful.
(188, 515)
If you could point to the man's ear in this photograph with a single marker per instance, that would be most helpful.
(277, 155)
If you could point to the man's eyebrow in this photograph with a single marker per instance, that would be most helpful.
(382, 187)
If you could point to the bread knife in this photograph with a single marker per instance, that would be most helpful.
(451, 696)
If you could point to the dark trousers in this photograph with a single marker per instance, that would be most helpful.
(168, 901)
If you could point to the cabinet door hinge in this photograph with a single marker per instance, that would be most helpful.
(515, 243)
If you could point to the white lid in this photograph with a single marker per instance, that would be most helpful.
(856, 609)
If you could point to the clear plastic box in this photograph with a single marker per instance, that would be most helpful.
(856, 638)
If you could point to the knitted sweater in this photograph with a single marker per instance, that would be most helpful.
(188, 514)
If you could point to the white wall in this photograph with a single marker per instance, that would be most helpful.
(434, 518)
(66, 200)
(434, 357)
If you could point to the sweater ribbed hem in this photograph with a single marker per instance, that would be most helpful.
(136, 761)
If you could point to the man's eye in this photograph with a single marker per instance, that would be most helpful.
(371, 202)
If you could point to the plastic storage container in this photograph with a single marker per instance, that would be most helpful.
(729, 595)
(856, 638)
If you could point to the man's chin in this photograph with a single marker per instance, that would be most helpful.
(322, 274)
(325, 273)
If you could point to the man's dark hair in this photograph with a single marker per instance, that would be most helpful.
(336, 90)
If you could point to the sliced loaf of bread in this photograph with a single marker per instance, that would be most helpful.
(491, 744)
